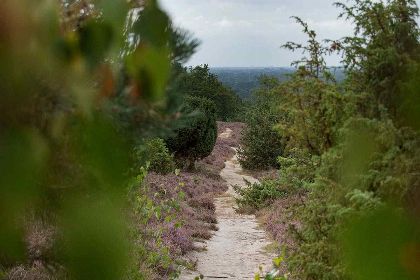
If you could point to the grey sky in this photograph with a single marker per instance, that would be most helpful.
(249, 32)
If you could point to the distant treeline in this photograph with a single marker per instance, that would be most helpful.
(244, 80)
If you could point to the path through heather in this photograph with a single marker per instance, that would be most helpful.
(238, 248)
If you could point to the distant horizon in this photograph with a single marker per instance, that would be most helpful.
(290, 67)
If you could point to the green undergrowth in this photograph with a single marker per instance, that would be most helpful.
(259, 195)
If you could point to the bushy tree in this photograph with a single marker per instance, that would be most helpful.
(197, 137)
(311, 110)
(313, 62)
(261, 144)
(199, 82)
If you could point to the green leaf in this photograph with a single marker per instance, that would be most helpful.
(23, 156)
(153, 26)
(278, 261)
(95, 41)
(382, 245)
(150, 68)
(95, 244)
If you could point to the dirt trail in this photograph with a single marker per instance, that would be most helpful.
(238, 248)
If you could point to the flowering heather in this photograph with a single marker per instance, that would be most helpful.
(194, 192)
(192, 216)
(279, 221)
(184, 214)
(223, 151)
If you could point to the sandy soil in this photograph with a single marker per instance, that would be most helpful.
(237, 249)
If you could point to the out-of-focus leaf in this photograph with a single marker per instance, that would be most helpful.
(113, 11)
(153, 25)
(151, 70)
(383, 245)
(95, 41)
(95, 241)
(104, 153)
(22, 160)
(360, 147)
(67, 47)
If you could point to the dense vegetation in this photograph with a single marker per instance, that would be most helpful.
(261, 144)
(351, 152)
(89, 92)
(98, 115)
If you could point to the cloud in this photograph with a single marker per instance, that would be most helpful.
(249, 32)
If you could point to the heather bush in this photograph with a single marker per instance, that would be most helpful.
(168, 213)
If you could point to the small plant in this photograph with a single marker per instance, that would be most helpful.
(274, 274)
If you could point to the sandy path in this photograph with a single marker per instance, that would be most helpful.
(238, 248)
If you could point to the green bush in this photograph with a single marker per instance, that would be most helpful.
(374, 164)
(259, 195)
(196, 139)
(157, 155)
(261, 144)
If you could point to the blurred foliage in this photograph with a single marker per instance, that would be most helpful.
(77, 91)
(385, 238)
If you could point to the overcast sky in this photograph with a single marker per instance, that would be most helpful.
(242, 33)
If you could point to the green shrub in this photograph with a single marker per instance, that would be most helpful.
(197, 138)
(373, 165)
(157, 155)
(259, 195)
(261, 144)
